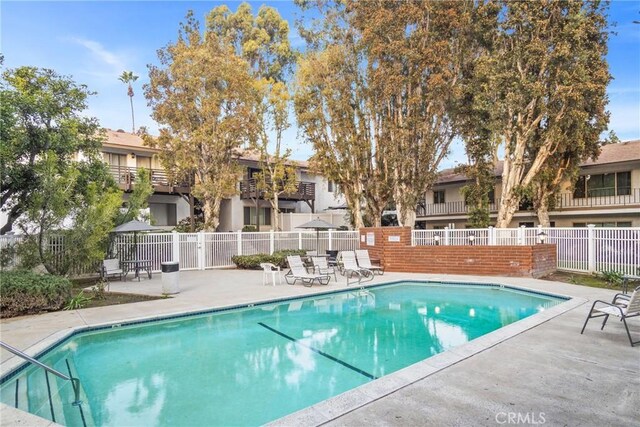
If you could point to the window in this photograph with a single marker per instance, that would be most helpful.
(604, 224)
(601, 185)
(623, 184)
(421, 225)
(526, 224)
(606, 184)
(331, 186)
(143, 162)
(438, 197)
(492, 196)
(250, 216)
(114, 159)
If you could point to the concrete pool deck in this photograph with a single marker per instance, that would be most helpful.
(539, 372)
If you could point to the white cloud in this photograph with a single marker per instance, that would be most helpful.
(114, 62)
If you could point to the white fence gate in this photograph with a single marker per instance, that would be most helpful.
(589, 249)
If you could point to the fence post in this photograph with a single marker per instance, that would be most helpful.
(300, 240)
(591, 248)
(446, 236)
(492, 236)
(201, 250)
(175, 239)
(521, 239)
(272, 242)
(239, 242)
(413, 237)
(331, 238)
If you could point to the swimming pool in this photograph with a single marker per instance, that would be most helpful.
(252, 365)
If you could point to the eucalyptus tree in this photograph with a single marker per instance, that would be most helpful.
(335, 112)
(550, 75)
(415, 51)
(127, 77)
(263, 41)
(204, 99)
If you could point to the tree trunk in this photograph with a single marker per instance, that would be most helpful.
(211, 208)
(542, 210)
(275, 212)
(508, 206)
(133, 122)
(11, 218)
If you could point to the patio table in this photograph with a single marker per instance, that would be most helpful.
(136, 265)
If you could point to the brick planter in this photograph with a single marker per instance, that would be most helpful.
(392, 245)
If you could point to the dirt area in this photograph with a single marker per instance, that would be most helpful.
(580, 279)
(99, 298)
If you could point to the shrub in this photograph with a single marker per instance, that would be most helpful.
(249, 229)
(25, 292)
(252, 262)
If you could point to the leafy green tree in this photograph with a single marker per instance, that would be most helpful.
(127, 77)
(549, 73)
(69, 216)
(263, 41)
(138, 200)
(41, 117)
(203, 97)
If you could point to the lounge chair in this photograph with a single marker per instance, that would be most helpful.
(111, 267)
(350, 267)
(321, 266)
(621, 306)
(269, 269)
(299, 272)
(333, 258)
(364, 261)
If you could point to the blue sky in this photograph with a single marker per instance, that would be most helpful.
(95, 41)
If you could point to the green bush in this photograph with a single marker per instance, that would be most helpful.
(252, 262)
(249, 229)
(25, 292)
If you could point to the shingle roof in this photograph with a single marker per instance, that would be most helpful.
(612, 153)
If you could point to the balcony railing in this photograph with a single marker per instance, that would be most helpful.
(565, 201)
(125, 177)
(305, 191)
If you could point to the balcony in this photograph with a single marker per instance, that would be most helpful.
(564, 202)
(125, 178)
(306, 191)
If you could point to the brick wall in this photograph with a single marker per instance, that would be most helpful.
(392, 245)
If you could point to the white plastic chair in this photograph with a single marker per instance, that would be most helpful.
(270, 269)
(621, 306)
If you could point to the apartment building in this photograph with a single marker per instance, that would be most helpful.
(125, 153)
(607, 194)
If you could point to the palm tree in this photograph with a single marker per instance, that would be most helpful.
(127, 77)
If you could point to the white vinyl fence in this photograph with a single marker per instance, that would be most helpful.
(199, 251)
(589, 249)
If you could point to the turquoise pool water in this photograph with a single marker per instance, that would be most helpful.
(253, 365)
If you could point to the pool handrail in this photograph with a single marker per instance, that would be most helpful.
(75, 382)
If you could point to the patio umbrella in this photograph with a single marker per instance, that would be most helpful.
(317, 224)
(134, 227)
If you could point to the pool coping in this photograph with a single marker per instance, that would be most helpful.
(341, 404)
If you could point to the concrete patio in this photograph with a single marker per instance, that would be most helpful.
(541, 371)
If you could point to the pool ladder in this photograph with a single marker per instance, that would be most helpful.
(75, 382)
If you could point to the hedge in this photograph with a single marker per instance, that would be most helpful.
(252, 262)
(25, 292)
